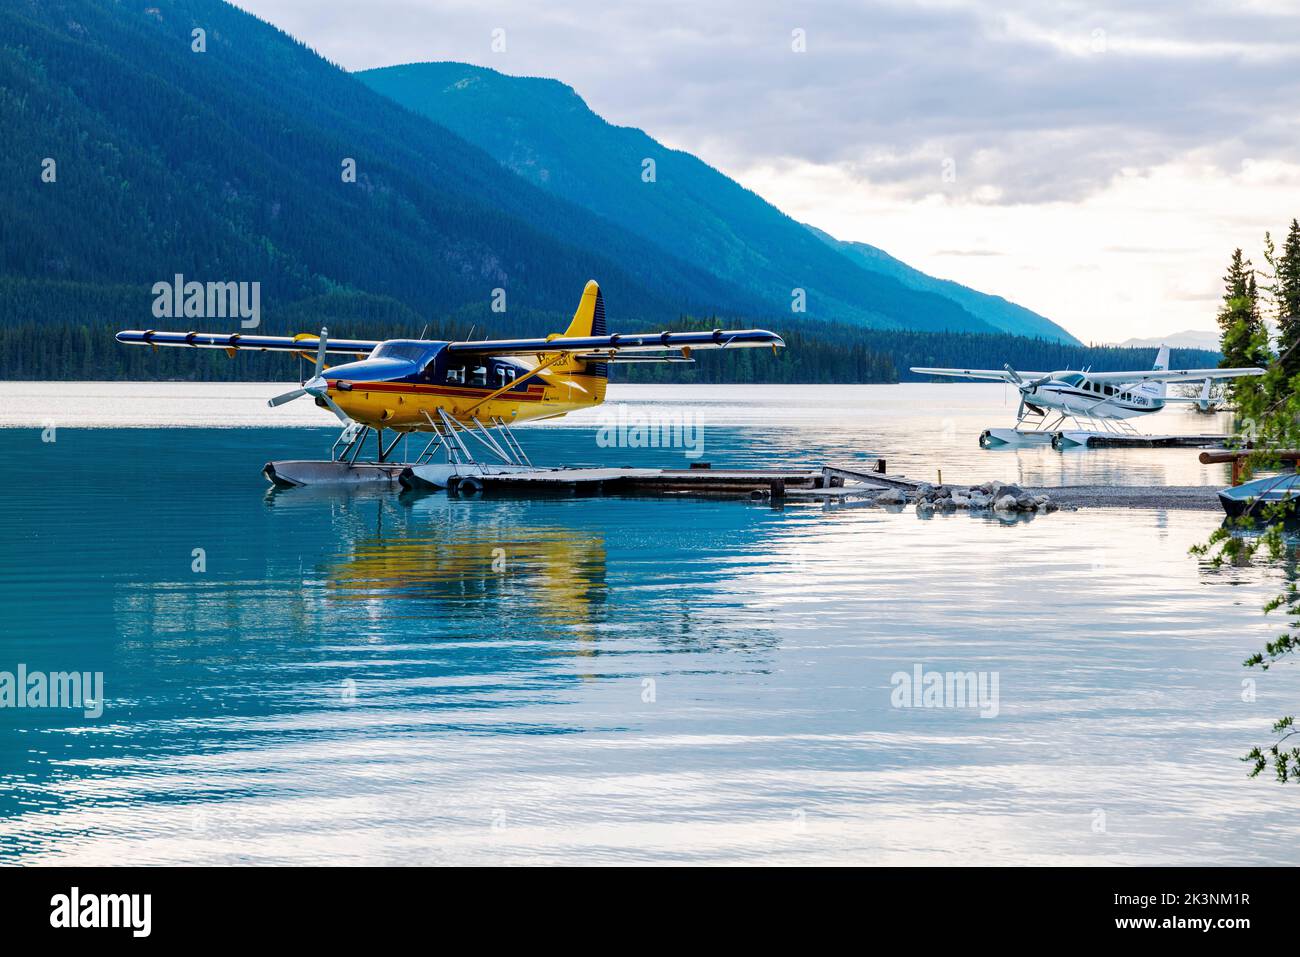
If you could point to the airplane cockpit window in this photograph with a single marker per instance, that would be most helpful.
(456, 376)
(414, 351)
(1074, 378)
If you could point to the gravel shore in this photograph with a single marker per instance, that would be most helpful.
(1200, 497)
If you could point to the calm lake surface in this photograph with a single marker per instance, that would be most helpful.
(370, 677)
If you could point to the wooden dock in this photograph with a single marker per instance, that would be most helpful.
(838, 483)
(725, 483)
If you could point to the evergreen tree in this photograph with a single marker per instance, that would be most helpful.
(1286, 284)
(1244, 338)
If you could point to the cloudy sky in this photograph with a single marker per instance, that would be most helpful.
(1094, 161)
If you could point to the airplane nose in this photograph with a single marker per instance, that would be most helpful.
(315, 386)
(319, 390)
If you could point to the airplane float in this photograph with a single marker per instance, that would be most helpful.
(1102, 401)
(455, 390)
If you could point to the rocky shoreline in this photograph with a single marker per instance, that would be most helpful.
(1009, 498)
(991, 496)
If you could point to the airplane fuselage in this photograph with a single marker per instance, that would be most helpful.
(403, 383)
(1075, 394)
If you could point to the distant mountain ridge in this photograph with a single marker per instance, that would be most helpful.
(544, 131)
(1188, 339)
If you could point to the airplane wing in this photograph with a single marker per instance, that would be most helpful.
(611, 348)
(649, 346)
(1002, 375)
(234, 342)
(1171, 375)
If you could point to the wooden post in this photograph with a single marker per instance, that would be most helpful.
(880, 466)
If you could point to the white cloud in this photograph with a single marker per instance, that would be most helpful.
(1141, 257)
(1075, 127)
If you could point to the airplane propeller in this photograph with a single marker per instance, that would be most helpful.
(316, 386)
(1026, 389)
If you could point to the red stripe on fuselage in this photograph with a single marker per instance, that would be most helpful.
(464, 391)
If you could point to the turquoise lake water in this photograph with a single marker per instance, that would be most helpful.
(370, 677)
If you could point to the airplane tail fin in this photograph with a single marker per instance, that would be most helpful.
(1161, 390)
(1204, 402)
(588, 320)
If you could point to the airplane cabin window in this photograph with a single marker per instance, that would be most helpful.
(480, 375)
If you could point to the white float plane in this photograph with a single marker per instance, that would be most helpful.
(1098, 400)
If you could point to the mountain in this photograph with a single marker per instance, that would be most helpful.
(997, 312)
(1188, 339)
(544, 131)
(134, 157)
(226, 165)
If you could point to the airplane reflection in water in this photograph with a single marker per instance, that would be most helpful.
(542, 565)
(453, 588)
(535, 574)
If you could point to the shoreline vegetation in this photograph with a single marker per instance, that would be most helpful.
(1260, 324)
(73, 340)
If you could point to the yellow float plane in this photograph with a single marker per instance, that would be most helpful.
(454, 388)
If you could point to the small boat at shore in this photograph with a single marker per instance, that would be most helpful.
(1251, 497)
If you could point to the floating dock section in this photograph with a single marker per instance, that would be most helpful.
(294, 474)
(1081, 439)
(1117, 440)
